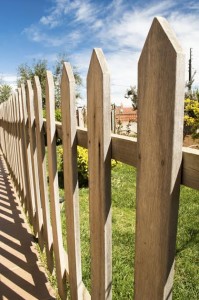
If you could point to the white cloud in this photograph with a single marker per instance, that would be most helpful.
(120, 28)
(10, 79)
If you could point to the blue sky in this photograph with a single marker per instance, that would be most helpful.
(42, 29)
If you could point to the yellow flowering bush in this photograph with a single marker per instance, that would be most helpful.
(191, 117)
(82, 164)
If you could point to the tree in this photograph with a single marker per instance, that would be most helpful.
(5, 92)
(131, 94)
(39, 68)
(61, 58)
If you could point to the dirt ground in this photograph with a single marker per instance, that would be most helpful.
(189, 142)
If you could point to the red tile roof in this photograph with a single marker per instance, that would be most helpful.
(125, 114)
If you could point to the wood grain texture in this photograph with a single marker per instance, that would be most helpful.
(21, 160)
(26, 139)
(27, 193)
(21, 141)
(99, 155)
(34, 162)
(60, 262)
(124, 149)
(15, 147)
(42, 172)
(160, 136)
(190, 167)
(69, 140)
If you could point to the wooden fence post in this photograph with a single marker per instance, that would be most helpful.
(42, 172)
(69, 139)
(27, 158)
(34, 162)
(160, 135)
(60, 261)
(80, 117)
(24, 157)
(99, 150)
(21, 158)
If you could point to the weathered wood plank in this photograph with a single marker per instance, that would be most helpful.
(27, 194)
(124, 149)
(190, 168)
(42, 172)
(22, 158)
(28, 165)
(19, 141)
(69, 140)
(34, 162)
(16, 145)
(99, 150)
(160, 135)
(60, 262)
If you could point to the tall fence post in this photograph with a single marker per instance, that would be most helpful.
(42, 172)
(69, 138)
(60, 261)
(27, 159)
(34, 162)
(99, 150)
(160, 136)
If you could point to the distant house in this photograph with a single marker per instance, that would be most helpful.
(126, 116)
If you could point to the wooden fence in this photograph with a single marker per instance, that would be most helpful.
(162, 165)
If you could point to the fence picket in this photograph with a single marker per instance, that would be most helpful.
(28, 165)
(21, 161)
(34, 163)
(160, 123)
(69, 139)
(60, 260)
(42, 172)
(99, 142)
(16, 148)
(24, 157)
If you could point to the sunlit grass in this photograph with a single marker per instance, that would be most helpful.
(123, 236)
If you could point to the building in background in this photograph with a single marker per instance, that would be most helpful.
(125, 120)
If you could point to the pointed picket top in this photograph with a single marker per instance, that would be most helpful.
(23, 93)
(38, 103)
(68, 97)
(29, 101)
(50, 96)
(68, 72)
(98, 61)
(161, 32)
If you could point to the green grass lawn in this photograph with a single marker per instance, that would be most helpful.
(186, 283)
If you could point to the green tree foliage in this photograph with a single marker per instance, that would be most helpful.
(5, 92)
(26, 72)
(39, 68)
(132, 94)
(61, 58)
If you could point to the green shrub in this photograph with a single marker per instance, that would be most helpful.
(57, 114)
(82, 164)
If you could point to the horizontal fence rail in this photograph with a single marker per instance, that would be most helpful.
(28, 143)
(124, 149)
